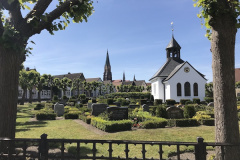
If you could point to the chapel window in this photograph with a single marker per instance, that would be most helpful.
(187, 89)
(195, 89)
(179, 89)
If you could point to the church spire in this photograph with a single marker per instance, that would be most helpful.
(134, 79)
(173, 49)
(107, 75)
(123, 76)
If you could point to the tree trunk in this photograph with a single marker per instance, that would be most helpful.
(23, 97)
(9, 73)
(30, 96)
(39, 96)
(223, 64)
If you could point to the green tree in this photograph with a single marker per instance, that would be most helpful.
(64, 84)
(15, 31)
(237, 84)
(77, 85)
(41, 82)
(23, 76)
(49, 82)
(221, 19)
(209, 89)
(32, 81)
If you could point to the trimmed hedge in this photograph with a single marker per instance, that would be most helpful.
(110, 101)
(71, 116)
(170, 102)
(39, 106)
(183, 101)
(86, 119)
(196, 101)
(154, 122)
(182, 122)
(189, 111)
(208, 99)
(157, 102)
(135, 95)
(161, 111)
(208, 122)
(46, 116)
(111, 126)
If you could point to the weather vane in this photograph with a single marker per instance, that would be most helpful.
(172, 27)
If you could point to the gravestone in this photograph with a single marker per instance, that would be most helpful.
(133, 106)
(211, 104)
(174, 112)
(117, 113)
(98, 108)
(59, 109)
(89, 105)
(145, 107)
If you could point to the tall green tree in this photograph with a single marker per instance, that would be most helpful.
(77, 85)
(221, 19)
(64, 84)
(32, 81)
(15, 31)
(41, 82)
(23, 77)
(209, 89)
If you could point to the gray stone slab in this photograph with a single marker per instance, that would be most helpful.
(98, 108)
(59, 109)
(174, 112)
(117, 113)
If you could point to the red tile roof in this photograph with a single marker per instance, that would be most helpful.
(237, 74)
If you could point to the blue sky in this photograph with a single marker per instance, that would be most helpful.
(135, 32)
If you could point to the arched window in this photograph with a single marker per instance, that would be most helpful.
(179, 89)
(187, 89)
(195, 89)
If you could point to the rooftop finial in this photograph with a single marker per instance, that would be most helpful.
(172, 28)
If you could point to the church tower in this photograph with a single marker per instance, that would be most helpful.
(123, 77)
(173, 49)
(107, 75)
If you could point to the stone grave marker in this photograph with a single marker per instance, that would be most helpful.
(117, 113)
(145, 107)
(174, 112)
(59, 109)
(89, 105)
(133, 106)
(98, 108)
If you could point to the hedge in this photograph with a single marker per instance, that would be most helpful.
(157, 102)
(182, 122)
(208, 122)
(39, 106)
(183, 101)
(170, 101)
(196, 100)
(111, 126)
(71, 116)
(46, 116)
(86, 119)
(189, 111)
(135, 95)
(154, 122)
(208, 99)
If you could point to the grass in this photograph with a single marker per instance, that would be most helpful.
(68, 129)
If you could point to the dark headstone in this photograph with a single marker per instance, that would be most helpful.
(133, 106)
(98, 108)
(174, 112)
(117, 113)
(145, 107)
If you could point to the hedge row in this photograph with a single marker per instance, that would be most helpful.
(111, 126)
(71, 115)
(86, 119)
(136, 95)
(182, 122)
(154, 122)
(46, 116)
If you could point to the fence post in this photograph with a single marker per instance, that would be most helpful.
(43, 147)
(200, 149)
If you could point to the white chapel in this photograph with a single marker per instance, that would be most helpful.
(177, 79)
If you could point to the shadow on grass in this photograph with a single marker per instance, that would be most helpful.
(28, 125)
(84, 151)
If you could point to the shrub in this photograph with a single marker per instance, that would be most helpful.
(64, 97)
(189, 102)
(208, 122)
(161, 111)
(238, 98)
(86, 119)
(196, 100)
(183, 101)
(45, 116)
(123, 101)
(157, 102)
(110, 101)
(208, 99)
(39, 106)
(142, 101)
(82, 96)
(135, 95)
(111, 126)
(154, 123)
(55, 98)
(201, 115)
(94, 100)
(170, 101)
(79, 105)
(189, 111)
(182, 122)
(71, 116)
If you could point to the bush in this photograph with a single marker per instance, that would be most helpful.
(110, 101)
(154, 123)
(238, 98)
(208, 122)
(82, 96)
(86, 119)
(71, 116)
(161, 111)
(142, 101)
(45, 116)
(157, 102)
(111, 126)
(123, 101)
(170, 101)
(39, 106)
(189, 102)
(55, 98)
(183, 101)
(79, 105)
(196, 101)
(182, 122)
(64, 98)
(135, 95)
(208, 99)
(189, 111)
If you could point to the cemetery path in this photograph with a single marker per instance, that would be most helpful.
(90, 127)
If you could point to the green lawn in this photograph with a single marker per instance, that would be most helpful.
(69, 129)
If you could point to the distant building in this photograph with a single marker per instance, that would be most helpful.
(177, 79)
(107, 75)
(237, 74)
